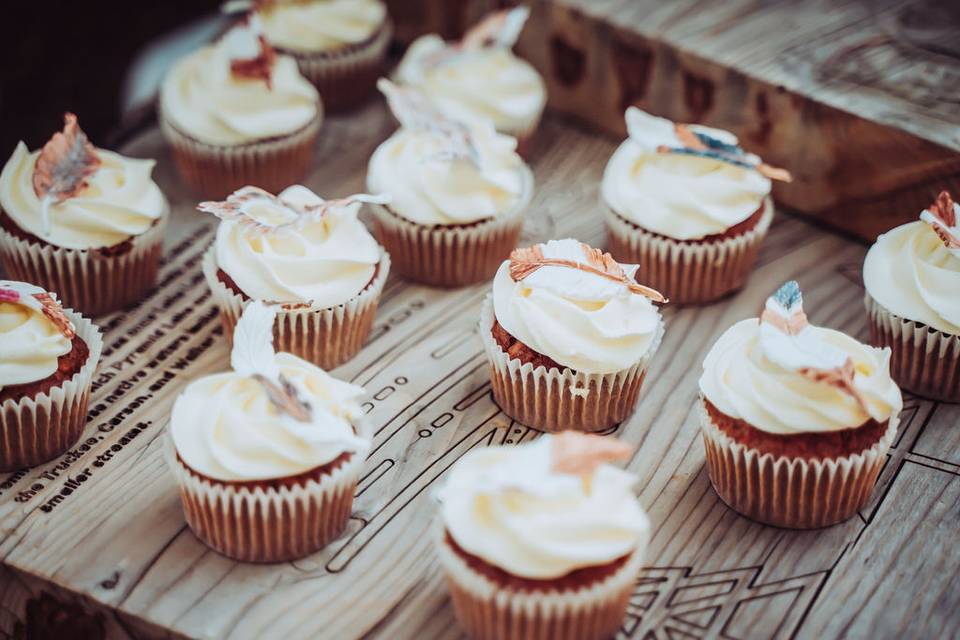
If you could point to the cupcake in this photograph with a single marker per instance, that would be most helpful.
(237, 113)
(479, 78)
(796, 419)
(458, 193)
(312, 257)
(688, 205)
(542, 540)
(569, 334)
(47, 359)
(339, 45)
(912, 278)
(84, 222)
(267, 456)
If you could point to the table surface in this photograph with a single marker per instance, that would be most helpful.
(106, 523)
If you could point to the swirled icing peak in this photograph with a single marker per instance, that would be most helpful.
(317, 25)
(34, 333)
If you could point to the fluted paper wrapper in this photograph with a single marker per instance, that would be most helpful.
(451, 256)
(215, 171)
(558, 400)
(88, 280)
(326, 337)
(488, 611)
(795, 493)
(40, 428)
(688, 272)
(257, 522)
(348, 77)
(923, 360)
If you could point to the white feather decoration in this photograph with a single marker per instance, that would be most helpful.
(253, 352)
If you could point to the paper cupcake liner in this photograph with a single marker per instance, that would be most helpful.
(923, 360)
(40, 428)
(795, 493)
(451, 256)
(88, 280)
(558, 400)
(346, 78)
(688, 272)
(259, 522)
(487, 610)
(326, 337)
(216, 171)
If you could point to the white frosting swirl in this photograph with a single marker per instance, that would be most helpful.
(912, 274)
(203, 99)
(506, 506)
(321, 25)
(29, 345)
(119, 202)
(744, 382)
(428, 188)
(225, 427)
(324, 262)
(480, 84)
(582, 321)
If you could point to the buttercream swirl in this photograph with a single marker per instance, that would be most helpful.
(508, 507)
(480, 84)
(429, 188)
(324, 261)
(580, 320)
(911, 273)
(743, 381)
(321, 25)
(225, 427)
(120, 201)
(30, 343)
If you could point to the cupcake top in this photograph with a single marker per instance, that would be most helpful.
(914, 270)
(273, 416)
(34, 333)
(314, 26)
(296, 247)
(439, 171)
(478, 78)
(544, 509)
(785, 376)
(237, 91)
(577, 305)
(684, 181)
(72, 195)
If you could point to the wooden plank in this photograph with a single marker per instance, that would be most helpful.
(102, 529)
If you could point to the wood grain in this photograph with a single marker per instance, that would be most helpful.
(116, 546)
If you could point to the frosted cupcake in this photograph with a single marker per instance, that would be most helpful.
(81, 221)
(569, 334)
(912, 277)
(47, 359)
(268, 455)
(688, 205)
(458, 193)
(542, 540)
(339, 45)
(311, 256)
(796, 419)
(237, 113)
(479, 78)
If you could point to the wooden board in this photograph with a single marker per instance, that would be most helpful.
(99, 535)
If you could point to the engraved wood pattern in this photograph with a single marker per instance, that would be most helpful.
(102, 528)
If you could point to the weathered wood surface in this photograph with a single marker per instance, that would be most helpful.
(102, 533)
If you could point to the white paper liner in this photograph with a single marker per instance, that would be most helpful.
(688, 272)
(261, 523)
(40, 428)
(557, 400)
(794, 493)
(327, 337)
(924, 361)
(86, 279)
(452, 256)
(490, 611)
